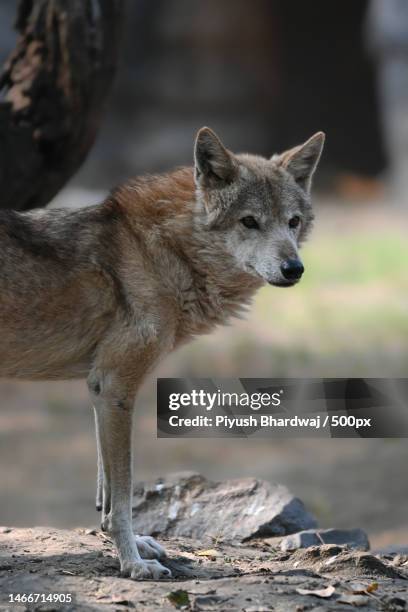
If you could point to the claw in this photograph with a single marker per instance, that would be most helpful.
(145, 570)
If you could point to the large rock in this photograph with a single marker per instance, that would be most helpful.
(354, 538)
(189, 505)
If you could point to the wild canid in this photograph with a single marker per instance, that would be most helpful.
(105, 292)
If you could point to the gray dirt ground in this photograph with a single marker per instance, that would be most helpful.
(252, 577)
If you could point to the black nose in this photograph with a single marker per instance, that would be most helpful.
(292, 269)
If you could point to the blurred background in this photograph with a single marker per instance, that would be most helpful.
(265, 75)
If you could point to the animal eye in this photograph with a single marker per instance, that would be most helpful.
(250, 222)
(294, 221)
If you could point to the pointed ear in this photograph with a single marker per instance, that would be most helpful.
(301, 161)
(214, 164)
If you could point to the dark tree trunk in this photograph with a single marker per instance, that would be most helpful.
(52, 94)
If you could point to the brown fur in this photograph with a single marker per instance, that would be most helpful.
(55, 308)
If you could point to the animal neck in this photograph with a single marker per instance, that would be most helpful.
(211, 287)
(218, 290)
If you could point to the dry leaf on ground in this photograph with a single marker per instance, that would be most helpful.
(324, 593)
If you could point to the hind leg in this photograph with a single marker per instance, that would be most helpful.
(99, 478)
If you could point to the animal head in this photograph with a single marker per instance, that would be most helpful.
(260, 208)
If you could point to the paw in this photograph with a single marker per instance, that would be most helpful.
(141, 569)
(148, 548)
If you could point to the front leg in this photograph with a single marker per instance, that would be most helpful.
(113, 403)
(146, 545)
